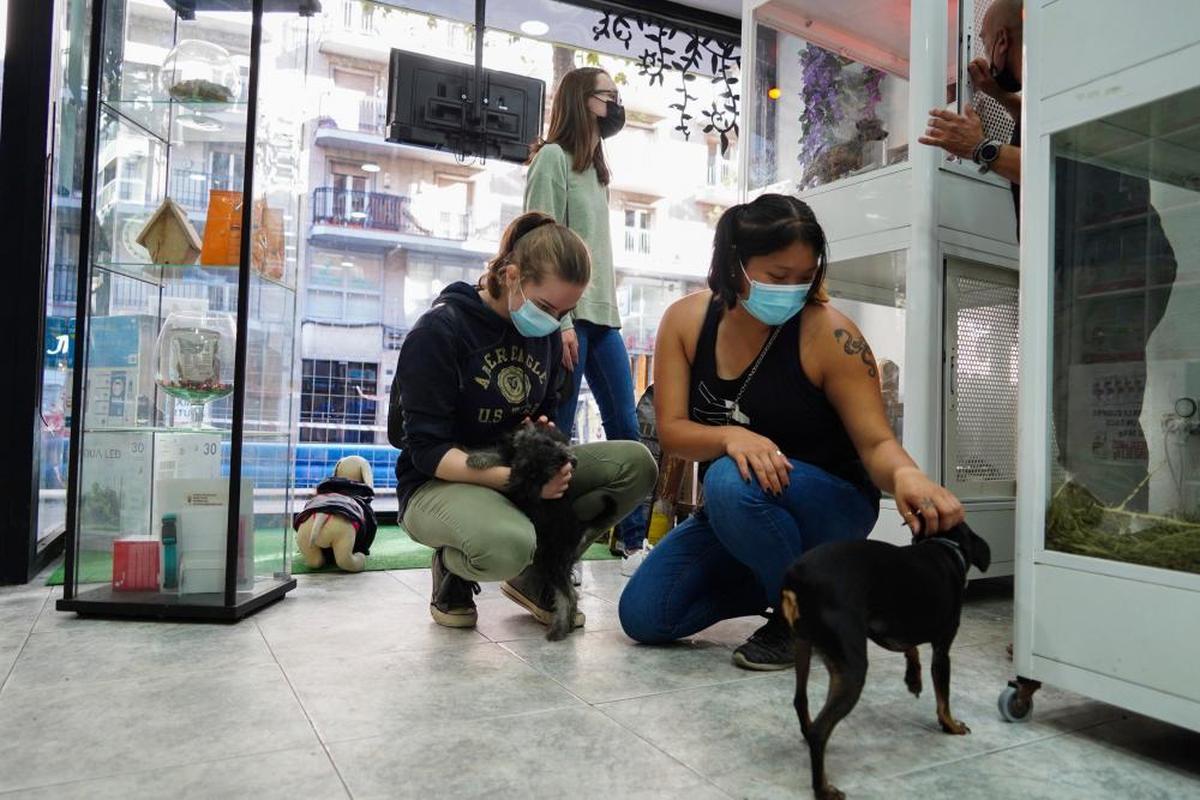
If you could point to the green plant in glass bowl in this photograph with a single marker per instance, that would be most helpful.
(195, 358)
(196, 71)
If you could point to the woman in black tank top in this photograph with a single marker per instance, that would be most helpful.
(777, 395)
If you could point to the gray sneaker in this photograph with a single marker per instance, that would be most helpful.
(535, 597)
(453, 600)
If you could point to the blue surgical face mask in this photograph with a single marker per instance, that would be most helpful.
(774, 304)
(532, 322)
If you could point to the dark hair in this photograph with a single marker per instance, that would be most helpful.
(573, 126)
(538, 246)
(769, 223)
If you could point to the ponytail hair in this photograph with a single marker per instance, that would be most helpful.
(539, 246)
(765, 225)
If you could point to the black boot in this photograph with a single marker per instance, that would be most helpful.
(453, 600)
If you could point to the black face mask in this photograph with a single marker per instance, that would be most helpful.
(1004, 78)
(614, 119)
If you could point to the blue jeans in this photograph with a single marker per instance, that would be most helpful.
(729, 559)
(605, 361)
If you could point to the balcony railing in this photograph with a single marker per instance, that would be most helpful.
(377, 211)
(637, 241)
(191, 189)
(722, 172)
(65, 284)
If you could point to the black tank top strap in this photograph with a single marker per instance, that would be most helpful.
(706, 345)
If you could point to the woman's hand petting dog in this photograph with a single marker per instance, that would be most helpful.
(753, 452)
(926, 507)
(556, 487)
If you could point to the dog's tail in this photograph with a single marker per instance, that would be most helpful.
(563, 621)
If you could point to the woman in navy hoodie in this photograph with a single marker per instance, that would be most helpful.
(483, 360)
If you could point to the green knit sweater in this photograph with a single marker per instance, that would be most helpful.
(578, 200)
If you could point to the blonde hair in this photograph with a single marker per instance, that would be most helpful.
(539, 246)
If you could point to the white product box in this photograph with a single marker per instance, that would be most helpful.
(201, 507)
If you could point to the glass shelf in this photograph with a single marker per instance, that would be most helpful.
(173, 121)
(155, 273)
(158, 429)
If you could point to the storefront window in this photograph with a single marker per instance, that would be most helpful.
(429, 219)
(1126, 338)
(58, 359)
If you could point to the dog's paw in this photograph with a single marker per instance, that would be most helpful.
(830, 792)
(954, 726)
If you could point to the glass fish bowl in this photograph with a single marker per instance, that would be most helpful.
(195, 353)
(200, 72)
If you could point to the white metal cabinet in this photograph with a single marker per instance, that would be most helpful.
(1108, 545)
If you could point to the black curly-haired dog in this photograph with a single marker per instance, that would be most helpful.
(536, 453)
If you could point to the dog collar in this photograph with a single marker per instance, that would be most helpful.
(957, 550)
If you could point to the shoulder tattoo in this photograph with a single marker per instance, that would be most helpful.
(857, 346)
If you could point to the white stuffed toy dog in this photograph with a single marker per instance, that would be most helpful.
(338, 523)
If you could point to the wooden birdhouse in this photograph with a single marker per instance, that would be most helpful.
(169, 236)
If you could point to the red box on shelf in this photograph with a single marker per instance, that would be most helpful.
(135, 565)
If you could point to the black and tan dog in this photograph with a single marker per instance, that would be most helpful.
(536, 453)
(838, 595)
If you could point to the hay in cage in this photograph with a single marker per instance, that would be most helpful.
(1076, 522)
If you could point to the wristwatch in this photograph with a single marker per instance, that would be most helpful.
(985, 153)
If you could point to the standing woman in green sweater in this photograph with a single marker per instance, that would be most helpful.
(568, 179)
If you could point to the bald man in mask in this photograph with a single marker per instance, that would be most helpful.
(1094, 207)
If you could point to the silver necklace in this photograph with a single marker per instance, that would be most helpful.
(735, 412)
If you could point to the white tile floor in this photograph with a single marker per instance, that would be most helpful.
(347, 689)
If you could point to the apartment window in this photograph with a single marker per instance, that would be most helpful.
(358, 16)
(426, 277)
(444, 209)
(227, 170)
(338, 400)
(344, 287)
(349, 177)
(721, 169)
(637, 231)
(354, 81)
(133, 179)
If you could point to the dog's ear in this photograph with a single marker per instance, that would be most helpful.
(975, 548)
(982, 552)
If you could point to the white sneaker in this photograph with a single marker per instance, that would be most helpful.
(631, 562)
(577, 573)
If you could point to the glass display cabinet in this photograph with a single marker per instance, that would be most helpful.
(923, 248)
(1108, 568)
(186, 316)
